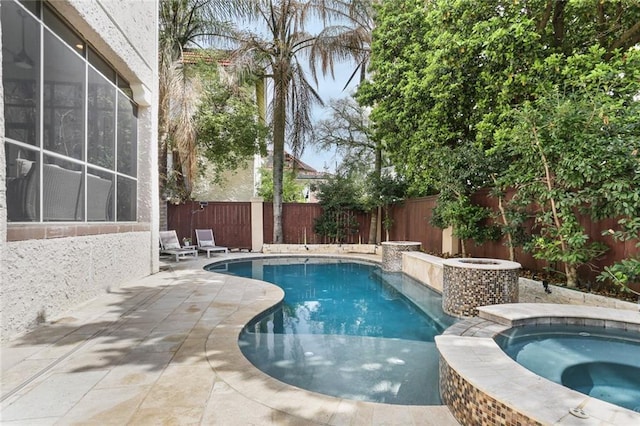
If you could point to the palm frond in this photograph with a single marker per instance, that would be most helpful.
(302, 98)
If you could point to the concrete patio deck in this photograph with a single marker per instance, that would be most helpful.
(163, 351)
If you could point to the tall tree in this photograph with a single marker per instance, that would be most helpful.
(292, 191)
(575, 150)
(227, 125)
(349, 131)
(448, 75)
(272, 42)
(352, 39)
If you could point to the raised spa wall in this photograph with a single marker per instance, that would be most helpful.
(392, 252)
(469, 283)
(481, 385)
(428, 270)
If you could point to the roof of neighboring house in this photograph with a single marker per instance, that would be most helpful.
(291, 162)
(296, 163)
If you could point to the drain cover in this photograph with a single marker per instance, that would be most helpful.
(579, 413)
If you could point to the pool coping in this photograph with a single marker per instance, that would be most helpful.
(471, 355)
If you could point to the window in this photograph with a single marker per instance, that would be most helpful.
(70, 125)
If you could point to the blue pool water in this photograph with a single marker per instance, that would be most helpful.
(346, 329)
(601, 362)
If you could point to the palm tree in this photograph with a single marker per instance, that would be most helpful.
(273, 43)
(354, 40)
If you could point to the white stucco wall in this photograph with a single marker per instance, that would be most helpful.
(44, 278)
(3, 197)
(124, 32)
(236, 185)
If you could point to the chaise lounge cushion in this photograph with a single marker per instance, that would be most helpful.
(169, 244)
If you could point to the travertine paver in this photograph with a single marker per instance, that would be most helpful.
(53, 397)
(163, 350)
(107, 406)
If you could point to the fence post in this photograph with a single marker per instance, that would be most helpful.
(257, 232)
(379, 226)
(450, 243)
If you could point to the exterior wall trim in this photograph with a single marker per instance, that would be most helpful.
(63, 230)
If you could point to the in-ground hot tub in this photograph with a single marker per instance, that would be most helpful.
(597, 361)
(481, 384)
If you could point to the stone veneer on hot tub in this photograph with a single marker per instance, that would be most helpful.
(482, 385)
(469, 283)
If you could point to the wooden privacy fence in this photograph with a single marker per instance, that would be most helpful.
(231, 223)
(298, 221)
(594, 229)
(411, 221)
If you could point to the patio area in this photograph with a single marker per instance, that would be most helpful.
(163, 350)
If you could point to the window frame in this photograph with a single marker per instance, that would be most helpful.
(42, 154)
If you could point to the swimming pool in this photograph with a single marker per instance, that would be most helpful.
(346, 329)
(597, 361)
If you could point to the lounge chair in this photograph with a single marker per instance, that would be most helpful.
(207, 243)
(169, 244)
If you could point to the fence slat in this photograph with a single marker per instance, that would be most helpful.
(298, 220)
(230, 221)
(411, 221)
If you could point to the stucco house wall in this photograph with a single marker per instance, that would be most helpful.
(236, 185)
(47, 268)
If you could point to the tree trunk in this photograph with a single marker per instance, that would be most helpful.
(163, 130)
(279, 122)
(572, 275)
(503, 215)
(564, 246)
(558, 22)
(373, 226)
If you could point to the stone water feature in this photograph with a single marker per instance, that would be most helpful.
(392, 253)
(469, 283)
